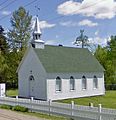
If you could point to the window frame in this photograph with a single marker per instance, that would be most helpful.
(95, 82)
(58, 83)
(72, 83)
(31, 77)
(84, 83)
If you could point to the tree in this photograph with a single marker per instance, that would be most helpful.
(3, 54)
(82, 39)
(21, 27)
(13, 60)
(1, 29)
(3, 67)
(112, 54)
(3, 41)
(103, 56)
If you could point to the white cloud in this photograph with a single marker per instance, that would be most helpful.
(97, 32)
(69, 23)
(57, 36)
(87, 22)
(100, 9)
(5, 12)
(98, 41)
(50, 42)
(45, 24)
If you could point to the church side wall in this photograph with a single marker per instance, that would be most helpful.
(78, 92)
(35, 88)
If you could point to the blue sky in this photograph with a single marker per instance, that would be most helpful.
(61, 20)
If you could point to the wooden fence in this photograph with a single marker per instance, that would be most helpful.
(68, 110)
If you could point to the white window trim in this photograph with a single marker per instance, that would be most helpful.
(70, 84)
(94, 86)
(58, 91)
(85, 88)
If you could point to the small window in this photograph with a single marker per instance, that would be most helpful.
(84, 83)
(31, 77)
(58, 84)
(72, 83)
(95, 82)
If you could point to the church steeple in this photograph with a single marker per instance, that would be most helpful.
(37, 27)
(37, 42)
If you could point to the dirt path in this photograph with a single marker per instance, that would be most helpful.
(11, 115)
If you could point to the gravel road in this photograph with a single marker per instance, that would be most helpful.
(11, 115)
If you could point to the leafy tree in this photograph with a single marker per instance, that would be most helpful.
(101, 55)
(1, 29)
(3, 42)
(21, 27)
(13, 60)
(4, 49)
(104, 57)
(3, 67)
(112, 55)
(81, 40)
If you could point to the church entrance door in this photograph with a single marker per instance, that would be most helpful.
(31, 86)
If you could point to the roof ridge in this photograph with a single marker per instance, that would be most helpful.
(65, 46)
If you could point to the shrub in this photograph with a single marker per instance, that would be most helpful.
(6, 107)
(20, 108)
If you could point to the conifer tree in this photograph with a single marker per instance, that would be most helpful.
(21, 27)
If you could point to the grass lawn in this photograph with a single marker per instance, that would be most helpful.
(107, 101)
(12, 92)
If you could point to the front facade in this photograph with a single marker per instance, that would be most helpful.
(57, 72)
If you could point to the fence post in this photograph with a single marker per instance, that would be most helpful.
(91, 105)
(17, 100)
(32, 103)
(31, 98)
(49, 106)
(99, 111)
(72, 108)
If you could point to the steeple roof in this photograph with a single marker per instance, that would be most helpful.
(37, 26)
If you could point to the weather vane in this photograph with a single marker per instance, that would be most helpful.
(38, 9)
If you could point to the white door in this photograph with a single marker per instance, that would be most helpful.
(31, 86)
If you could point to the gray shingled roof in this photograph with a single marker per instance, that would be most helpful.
(57, 59)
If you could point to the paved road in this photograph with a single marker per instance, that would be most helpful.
(11, 115)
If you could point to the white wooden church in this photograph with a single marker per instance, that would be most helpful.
(58, 72)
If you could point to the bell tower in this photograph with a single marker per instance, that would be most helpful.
(36, 41)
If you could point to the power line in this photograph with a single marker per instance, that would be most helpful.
(56, 18)
(30, 3)
(77, 10)
(24, 6)
(3, 2)
(8, 5)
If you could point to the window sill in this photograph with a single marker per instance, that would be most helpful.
(58, 91)
(95, 88)
(84, 89)
(72, 90)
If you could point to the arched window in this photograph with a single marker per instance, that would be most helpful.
(84, 82)
(72, 83)
(95, 82)
(31, 77)
(58, 84)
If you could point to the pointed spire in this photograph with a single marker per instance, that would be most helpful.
(37, 42)
(37, 26)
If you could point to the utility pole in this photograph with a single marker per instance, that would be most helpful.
(82, 39)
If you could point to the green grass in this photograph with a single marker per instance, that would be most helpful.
(12, 92)
(107, 101)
